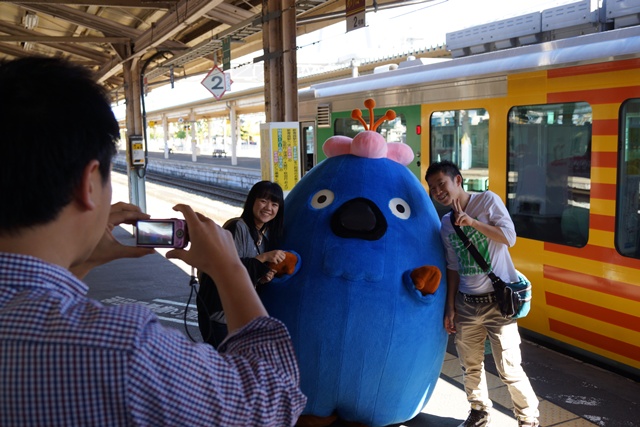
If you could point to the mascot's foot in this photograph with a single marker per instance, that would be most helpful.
(315, 421)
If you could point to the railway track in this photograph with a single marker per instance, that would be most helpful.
(203, 189)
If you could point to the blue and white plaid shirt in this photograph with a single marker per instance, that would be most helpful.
(67, 360)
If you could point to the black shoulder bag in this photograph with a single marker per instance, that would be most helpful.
(514, 299)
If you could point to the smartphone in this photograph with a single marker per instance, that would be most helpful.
(162, 233)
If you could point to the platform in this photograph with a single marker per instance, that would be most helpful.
(572, 393)
(242, 161)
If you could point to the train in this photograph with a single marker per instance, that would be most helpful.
(552, 127)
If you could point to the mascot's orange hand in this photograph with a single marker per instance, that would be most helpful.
(426, 279)
(284, 267)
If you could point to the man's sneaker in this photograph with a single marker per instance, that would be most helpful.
(476, 418)
(530, 423)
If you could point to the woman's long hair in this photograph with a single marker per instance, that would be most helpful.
(273, 192)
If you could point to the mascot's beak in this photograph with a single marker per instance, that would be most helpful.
(359, 218)
(426, 279)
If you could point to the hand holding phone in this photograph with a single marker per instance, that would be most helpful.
(162, 233)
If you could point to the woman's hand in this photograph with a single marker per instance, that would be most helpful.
(267, 277)
(275, 257)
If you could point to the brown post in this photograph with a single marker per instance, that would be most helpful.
(280, 69)
(290, 63)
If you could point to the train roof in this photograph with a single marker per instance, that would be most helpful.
(621, 43)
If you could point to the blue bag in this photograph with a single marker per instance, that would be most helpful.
(514, 299)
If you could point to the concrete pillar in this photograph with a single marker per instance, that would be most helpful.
(233, 120)
(192, 121)
(210, 133)
(165, 135)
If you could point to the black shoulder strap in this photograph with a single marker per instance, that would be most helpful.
(473, 250)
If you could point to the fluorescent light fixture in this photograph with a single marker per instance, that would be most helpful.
(30, 20)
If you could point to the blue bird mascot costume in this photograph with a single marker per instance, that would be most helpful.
(365, 302)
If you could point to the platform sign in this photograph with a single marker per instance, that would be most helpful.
(136, 154)
(280, 153)
(355, 13)
(217, 82)
(226, 53)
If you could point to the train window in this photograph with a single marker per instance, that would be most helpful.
(627, 235)
(462, 136)
(307, 146)
(392, 130)
(549, 172)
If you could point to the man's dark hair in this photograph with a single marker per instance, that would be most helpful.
(270, 191)
(446, 167)
(55, 119)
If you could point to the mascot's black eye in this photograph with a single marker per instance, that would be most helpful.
(400, 208)
(322, 199)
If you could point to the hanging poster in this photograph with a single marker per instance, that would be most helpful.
(280, 153)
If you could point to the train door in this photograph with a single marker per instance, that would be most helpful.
(307, 146)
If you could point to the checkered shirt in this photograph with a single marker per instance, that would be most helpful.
(67, 360)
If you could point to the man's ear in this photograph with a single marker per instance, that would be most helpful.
(458, 180)
(90, 183)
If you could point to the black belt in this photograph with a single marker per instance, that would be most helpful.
(480, 298)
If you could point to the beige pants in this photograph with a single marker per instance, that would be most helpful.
(474, 322)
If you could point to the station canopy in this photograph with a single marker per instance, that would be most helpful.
(183, 37)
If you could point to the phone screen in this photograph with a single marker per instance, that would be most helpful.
(155, 233)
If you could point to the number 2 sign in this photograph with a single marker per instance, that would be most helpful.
(355, 14)
(217, 82)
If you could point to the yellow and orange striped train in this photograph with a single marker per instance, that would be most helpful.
(554, 129)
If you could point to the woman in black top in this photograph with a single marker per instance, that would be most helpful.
(257, 233)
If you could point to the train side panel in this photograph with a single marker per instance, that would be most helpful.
(591, 294)
(410, 121)
(585, 299)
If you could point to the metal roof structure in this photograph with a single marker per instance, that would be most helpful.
(162, 34)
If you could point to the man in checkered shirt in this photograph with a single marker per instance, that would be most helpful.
(67, 360)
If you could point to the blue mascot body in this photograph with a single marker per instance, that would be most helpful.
(365, 304)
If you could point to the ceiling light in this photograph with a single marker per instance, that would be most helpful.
(30, 20)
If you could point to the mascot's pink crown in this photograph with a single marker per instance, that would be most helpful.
(369, 143)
